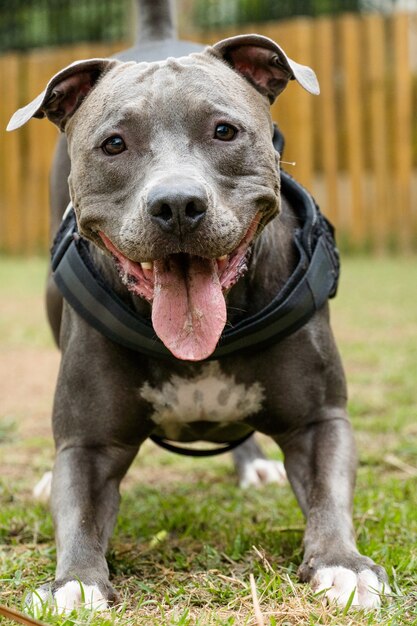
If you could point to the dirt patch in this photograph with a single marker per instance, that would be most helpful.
(27, 381)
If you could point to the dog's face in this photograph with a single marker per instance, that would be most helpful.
(187, 131)
(174, 172)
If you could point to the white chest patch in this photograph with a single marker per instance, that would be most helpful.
(209, 396)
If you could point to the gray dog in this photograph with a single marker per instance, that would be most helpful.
(176, 189)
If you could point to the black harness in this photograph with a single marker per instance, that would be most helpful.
(313, 281)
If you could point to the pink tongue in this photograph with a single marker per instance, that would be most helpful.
(188, 309)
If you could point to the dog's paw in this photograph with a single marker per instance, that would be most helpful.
(69, 596)
(260, 472)
(42, 490)
(338, 583)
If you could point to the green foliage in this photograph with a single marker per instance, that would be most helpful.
(221, 13)
(22, 315)
(29, 24)
(26, 24)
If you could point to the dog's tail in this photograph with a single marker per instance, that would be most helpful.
(156, 20)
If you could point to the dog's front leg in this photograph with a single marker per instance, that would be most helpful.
(320, 460)
(84, 502)
(98, 426)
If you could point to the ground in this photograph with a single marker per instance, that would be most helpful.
(187, 538)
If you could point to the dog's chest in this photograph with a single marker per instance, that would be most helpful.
(210, 396)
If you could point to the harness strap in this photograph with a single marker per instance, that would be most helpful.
(227, 447)
(105, 311)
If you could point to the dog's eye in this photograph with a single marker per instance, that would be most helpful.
(113, 145)
(225, 132)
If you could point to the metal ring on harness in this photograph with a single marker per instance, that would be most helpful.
(227, 447)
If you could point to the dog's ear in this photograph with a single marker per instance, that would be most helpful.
(64, 93)
(265, 65)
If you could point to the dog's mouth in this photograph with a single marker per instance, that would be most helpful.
(186, 292)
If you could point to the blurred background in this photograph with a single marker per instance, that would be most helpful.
(355, 146)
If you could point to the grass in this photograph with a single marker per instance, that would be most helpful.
(22, 319)
(187, 539)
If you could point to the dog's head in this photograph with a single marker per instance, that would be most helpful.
(173, 171)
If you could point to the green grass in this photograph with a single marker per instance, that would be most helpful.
(187, 539)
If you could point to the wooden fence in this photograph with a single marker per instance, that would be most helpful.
(355, 146)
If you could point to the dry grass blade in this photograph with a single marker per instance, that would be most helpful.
(401, 465)
(257, 609)
(264, 560)
(18, 617)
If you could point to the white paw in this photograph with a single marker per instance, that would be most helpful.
(338, 583)
(70, 596)
(42, 489)
(260, 472)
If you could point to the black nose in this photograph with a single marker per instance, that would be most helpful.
(177, 206)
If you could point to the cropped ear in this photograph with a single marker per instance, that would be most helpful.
(265, 65)
(64, 93)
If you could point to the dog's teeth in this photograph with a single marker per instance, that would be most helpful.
(222, 263)
(147, 265)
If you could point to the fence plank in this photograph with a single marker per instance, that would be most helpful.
(402, 127)
(376, 68)
(324, 36)
(352, 97)
(10, 163)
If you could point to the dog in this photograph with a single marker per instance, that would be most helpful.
(175, 185)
